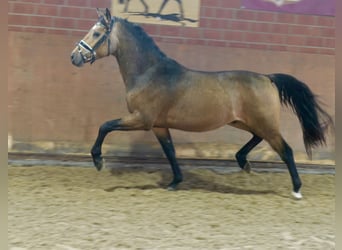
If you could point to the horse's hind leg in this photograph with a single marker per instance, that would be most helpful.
(241, 155)
(165, 140)
(286, 154)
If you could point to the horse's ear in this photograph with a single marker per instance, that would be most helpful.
(99, 12)
(108, 15)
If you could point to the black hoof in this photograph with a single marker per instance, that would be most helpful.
(98, 162)
(173, 185)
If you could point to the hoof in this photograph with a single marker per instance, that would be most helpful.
(173, 185)
(98, 162)
(247, 168)
(297, 195)
(171, 188)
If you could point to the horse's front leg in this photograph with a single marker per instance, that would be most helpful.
(165, 140)
(131, 122)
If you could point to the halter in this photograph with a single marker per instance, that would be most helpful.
(92, 51)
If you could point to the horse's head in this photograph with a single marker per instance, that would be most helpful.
(99, 42)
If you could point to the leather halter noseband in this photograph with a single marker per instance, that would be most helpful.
(92, 50)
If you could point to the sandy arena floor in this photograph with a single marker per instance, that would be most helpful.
(80, 208)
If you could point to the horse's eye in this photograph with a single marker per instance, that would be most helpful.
(96, 34)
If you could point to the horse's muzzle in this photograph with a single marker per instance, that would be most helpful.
(77, 59)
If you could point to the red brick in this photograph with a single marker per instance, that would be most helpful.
(68, 11)
(189, 32)
(259, 46)
(15, 28)
(150, 29)
(312, 31)
(55, 2)
(230, 3)
(314, 41)
(59, 31)
(65, 23)
(31, 1)
(18, 19)
(275, 38)
(79, 3)
(329, 42)
(309, 50)
(296, 40)
(293, 49)
(299, 30)
(46, 10)
(265, 16)
(25, 8)
(84, 24)
(325, 21)
(253, 37)
(232, 35)
(77, 33)
(245, 14)
(204, 22)
(209, 12)
(194, 41)
(176, 40)
(216, 43)
(285, 18)
(212, 34)
(277, 47)
(35, 29)
(169, 31)
(216, 24)
(326, 51)
(224, 13)
(238, 45)
(239, 25)
(306, 20)
(42, 21)
(279, 28)
(88, 13)
(327, 32)
(210, 2)
(259, 27)
(100, 3)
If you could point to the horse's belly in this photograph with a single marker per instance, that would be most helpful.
(198, 118)
(194, 125)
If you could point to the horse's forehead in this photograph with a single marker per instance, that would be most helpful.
(97, 25)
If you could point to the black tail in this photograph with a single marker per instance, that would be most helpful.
(313, 119)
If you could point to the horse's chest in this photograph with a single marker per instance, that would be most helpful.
(144, 99)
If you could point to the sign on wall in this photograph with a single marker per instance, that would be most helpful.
(168, 12)
(310, 7)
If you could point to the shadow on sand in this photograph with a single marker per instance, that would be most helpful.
(192, 181)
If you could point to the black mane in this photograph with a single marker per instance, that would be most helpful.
(141, 37)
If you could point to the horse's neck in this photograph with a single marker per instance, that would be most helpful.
(134, 60)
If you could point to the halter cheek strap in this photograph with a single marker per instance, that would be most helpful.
(92, 50)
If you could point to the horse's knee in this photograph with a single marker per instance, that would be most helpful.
(240, 157)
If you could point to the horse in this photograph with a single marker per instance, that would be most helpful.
(162, 94)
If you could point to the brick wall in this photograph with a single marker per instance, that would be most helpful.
(222, 24)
